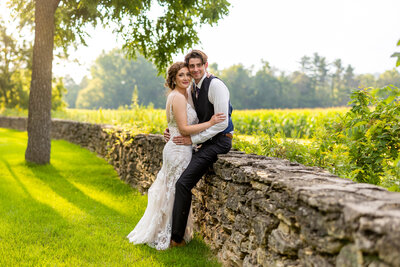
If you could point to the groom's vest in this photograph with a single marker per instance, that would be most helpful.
(204, 108)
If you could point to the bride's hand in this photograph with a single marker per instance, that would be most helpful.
(209, 75)
(217, 118)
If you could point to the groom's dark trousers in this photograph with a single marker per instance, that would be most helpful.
(199, 164)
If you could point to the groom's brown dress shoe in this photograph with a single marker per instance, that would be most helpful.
(173, 244)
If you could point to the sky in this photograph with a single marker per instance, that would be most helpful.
(363, 33)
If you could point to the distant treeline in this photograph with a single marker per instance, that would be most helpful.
(116, 81)
(317, 83)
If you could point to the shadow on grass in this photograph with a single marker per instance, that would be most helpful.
(16, 177)
(95, 171)
(61, 186)
(21, 211)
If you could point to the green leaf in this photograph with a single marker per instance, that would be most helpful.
(376, 91)
(360, 123)
(397, 54)
(390, 99)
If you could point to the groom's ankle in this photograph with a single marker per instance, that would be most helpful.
(176, 238)
(174, 244)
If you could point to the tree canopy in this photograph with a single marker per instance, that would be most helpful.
(155, 38)
(62, 23)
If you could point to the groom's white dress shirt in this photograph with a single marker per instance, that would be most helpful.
(218, 95)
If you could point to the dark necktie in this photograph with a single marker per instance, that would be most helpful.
(197, 92)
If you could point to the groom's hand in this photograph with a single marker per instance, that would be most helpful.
(167, 136)
(182, 140)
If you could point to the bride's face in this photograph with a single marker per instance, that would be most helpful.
(183, 78)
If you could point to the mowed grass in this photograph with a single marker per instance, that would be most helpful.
(74, 212)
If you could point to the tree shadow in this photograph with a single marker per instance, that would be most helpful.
(97, 172)
(5, 162)
(49, 175)
(21, 209)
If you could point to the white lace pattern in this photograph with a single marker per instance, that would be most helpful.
(154, 228)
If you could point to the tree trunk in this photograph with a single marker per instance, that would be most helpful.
(39, 116)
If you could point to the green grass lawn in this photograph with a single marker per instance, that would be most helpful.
(74, 212)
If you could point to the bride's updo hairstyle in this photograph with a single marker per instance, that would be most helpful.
(171, 74)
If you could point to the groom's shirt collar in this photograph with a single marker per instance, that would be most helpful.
(201, 81)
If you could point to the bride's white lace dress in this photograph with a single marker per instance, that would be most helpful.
(154, 228)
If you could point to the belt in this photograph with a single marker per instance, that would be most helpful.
(228, 135)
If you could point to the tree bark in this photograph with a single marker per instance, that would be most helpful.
(39, 114)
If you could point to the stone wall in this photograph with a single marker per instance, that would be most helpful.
(255, 210)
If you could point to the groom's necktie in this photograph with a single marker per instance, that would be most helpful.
(197, 91)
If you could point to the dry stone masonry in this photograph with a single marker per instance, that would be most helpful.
(259, 211)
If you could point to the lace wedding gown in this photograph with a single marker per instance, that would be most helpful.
(154, 228)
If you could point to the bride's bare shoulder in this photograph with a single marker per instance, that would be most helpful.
(179, 99)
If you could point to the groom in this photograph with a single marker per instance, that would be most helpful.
(210, 96)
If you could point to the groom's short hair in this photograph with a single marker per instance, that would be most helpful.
(196, 54)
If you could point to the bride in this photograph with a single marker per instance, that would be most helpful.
(154, 228)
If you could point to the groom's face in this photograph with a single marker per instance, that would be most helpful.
(197, 68)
